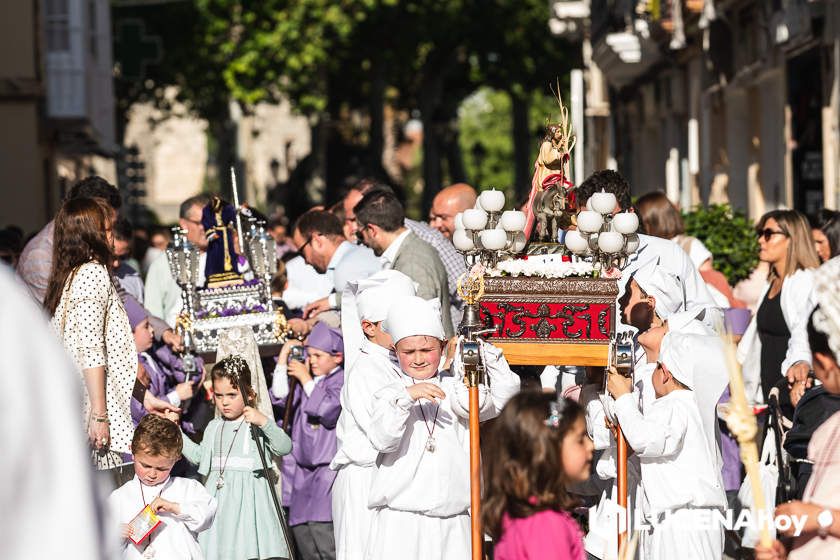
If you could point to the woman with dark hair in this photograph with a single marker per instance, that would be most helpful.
(88, 315)
(825, 229)
(660, 218)
(775, 344)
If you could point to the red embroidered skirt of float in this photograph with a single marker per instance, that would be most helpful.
(541, 321)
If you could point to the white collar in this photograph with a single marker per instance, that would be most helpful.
(340, 251)
(390, 254)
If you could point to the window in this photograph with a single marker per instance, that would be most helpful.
(57, 15)
(93, 37)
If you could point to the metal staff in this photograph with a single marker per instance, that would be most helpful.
(621, 358)
(470, 328)
(265, 470)
(621, 482)
(236, 206)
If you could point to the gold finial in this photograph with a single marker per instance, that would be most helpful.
(471, 284)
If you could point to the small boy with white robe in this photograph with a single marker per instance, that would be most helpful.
(421, 488)
(184, 506)
(374, 367)
(679, 470)
(662, 292)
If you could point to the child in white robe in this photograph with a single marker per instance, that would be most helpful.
(421, 488)
(184, 506)
(375, 366)
(679, 470)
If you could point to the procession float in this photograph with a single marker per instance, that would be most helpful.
(542, 285)
(236, 285)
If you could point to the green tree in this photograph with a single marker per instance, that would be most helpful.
(331, 56)
(729, 235)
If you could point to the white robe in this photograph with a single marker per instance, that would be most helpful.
(678, 471)
(176, 537)
(422, 498)
(46, 481)
(355, 459)
(714, 378)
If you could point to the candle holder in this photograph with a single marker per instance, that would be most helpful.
(262, 256)
(486, 234)
(604, 237)
(183, 259)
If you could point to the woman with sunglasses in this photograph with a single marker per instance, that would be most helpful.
(775, 345)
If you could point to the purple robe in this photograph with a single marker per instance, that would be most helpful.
(165, 369)
(220, 251)
(307, 478)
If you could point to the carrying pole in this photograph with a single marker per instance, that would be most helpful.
(475, 476)
(284, 526)
(621, 483)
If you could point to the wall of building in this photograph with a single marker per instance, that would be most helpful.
(22, 188)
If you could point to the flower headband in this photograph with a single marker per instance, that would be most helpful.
(555, 412)
(234, 365)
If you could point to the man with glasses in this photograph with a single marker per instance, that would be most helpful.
(452, 260)
(163, 295)
(381, 219)
(319, 238)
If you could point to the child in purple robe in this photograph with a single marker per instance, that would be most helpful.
(316, 408)
(167, 379)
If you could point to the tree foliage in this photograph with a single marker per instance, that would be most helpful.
(333, 56)
(729, 235)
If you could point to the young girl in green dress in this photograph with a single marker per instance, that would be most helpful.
(246, 525)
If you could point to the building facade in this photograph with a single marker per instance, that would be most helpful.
(56, 103)
(713, 101)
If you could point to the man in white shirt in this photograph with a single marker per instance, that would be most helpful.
(163, 295)
(380, 218)
(319, 237)
(663, 252)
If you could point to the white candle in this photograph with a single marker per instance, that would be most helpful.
(610, 242)
(474, 219)
(603, 202)
(462, 241)
(625, 222)
(492, 200)
(575, 242)
(513, 220)
(493, 239)
(632, 243)
(459, 220)
(519, 242)
(589, 221)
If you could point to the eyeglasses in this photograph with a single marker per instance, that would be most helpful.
(308, 241)
(768, 233)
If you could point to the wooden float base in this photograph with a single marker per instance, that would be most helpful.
(530, 353)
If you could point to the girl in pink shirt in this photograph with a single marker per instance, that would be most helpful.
(536, 448)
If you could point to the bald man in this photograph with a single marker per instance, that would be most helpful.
(449, 202)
